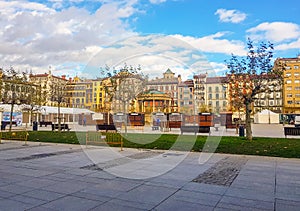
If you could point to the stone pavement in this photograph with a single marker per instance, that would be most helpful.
(43, 176)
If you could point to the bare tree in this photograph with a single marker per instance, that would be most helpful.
(251, 75)
(122, 87)
(15, 89)
(58, 95)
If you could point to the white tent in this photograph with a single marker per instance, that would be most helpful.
(266, 116)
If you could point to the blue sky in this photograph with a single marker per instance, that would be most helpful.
(68, 34)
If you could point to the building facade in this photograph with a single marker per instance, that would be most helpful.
(216, 94)
(291, 84)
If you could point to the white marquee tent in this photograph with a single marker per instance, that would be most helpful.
(266, 116)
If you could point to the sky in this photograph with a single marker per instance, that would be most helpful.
(76, 37)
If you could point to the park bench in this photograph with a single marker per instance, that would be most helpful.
(4, 123)
(194, 129)
(104, 138)
(19, 135)
(45, 123)
(63, 126)
(292, 131)
(106, 128)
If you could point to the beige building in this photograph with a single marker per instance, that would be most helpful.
(168, 85)
(215, 94)
(48, 83)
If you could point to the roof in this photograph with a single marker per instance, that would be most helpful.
(215, 80)
(168, 71)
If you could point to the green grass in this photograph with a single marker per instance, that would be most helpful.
(278, 147)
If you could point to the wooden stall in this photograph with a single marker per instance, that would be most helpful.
(136, 119)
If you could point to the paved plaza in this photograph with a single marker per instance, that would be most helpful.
(44, 176)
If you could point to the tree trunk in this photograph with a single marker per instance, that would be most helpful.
(11, 116)
(125, 117)
(248, 122)
(59, 120)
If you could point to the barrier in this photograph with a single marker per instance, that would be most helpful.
(100, 138)
(19, 135)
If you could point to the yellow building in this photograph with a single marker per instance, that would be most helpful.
(79, 93)
(98, 95)
(48, 82)
(291, 87)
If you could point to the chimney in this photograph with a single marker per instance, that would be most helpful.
(63, 77)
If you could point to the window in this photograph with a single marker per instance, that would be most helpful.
(217, 96)
(210, 96)
(288, 74)
(289, 102)
(289, 95)
(217, 89)
(297, 95)
(297, 88)
(296, 74)
(297, 81)
(289, 88)
(288, 81)
(209, 103)
(217, 103)
(287, 67)
(296, 67)
(224, 103)
(209, 89)
(271, 103)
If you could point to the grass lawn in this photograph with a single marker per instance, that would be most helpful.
(278, 147)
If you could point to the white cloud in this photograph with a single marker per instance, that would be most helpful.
(215, 44)
(232, 16)
(35, 35)
(288, 46)
(275, 31)
(157, 1)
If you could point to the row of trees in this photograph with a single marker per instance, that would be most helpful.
(247, 77)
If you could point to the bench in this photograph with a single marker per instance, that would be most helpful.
(194, 129)
(63, 126)
(19, 135)
(106, 128)
(292, 131)
(45, 123)
(107, 138)
(4, 123)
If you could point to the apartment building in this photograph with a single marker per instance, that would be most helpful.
(215, 94)
(168, 84)
(186, 99)
(48, 83)
(291, 84)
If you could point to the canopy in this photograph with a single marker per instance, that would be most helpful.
(266, 116)
(48, 109)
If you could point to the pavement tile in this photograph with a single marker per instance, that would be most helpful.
(44, 195)
(90, 196)
(109, 206)
(197, 197)
(287, 205)
(250, 194)
(147, 194)
(72, 203)
(6, 194)
(205, 188)
(27, 200)
(137, 204)
(227, 206)
(66, 187)
(171, 204)
(12, 205)
(257, 204)
(17, 189)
